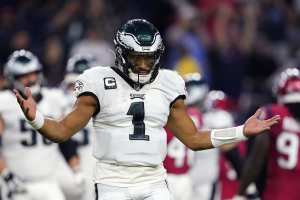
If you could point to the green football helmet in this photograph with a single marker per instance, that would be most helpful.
(138, 37)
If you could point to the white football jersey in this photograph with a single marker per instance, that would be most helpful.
(129, 125)
(25, 151)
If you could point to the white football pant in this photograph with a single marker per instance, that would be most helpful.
(206, 191)
(154, 191)
(46, 190)
(71, 183)
(180, 186)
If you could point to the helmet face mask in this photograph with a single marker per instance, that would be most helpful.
(141, 67)
(29, 80)
(138, 43)
(136, 60)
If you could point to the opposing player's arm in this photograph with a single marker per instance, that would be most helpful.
(184, 129)
(58, 130)
(235, 159)
(254, 163)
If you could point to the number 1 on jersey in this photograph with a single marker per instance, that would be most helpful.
(137, 111)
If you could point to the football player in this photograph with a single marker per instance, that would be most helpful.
(205, 171)
(28, 156)
(23, 68)
(179, 158)
(77, 64)
(130, 104)
(223, 177)
(279, 149)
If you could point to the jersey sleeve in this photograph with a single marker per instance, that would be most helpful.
(85, 86)
(176, 86)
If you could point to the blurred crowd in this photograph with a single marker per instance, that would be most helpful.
(236, 44)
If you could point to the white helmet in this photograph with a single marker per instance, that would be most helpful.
(288, 86)
(197, 88)
(20, 63)
(76, 65)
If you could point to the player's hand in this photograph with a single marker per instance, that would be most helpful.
(12, 185)
(27, 103)
(254, 125)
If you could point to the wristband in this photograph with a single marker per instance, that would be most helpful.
(38, 121)
(227, 135)
(240, 133)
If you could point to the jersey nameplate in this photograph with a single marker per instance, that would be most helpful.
(110, 83)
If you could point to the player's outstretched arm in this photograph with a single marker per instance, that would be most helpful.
(184, 129)
(57, 130)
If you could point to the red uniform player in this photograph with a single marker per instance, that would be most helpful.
(283, 175)
(280, 148)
